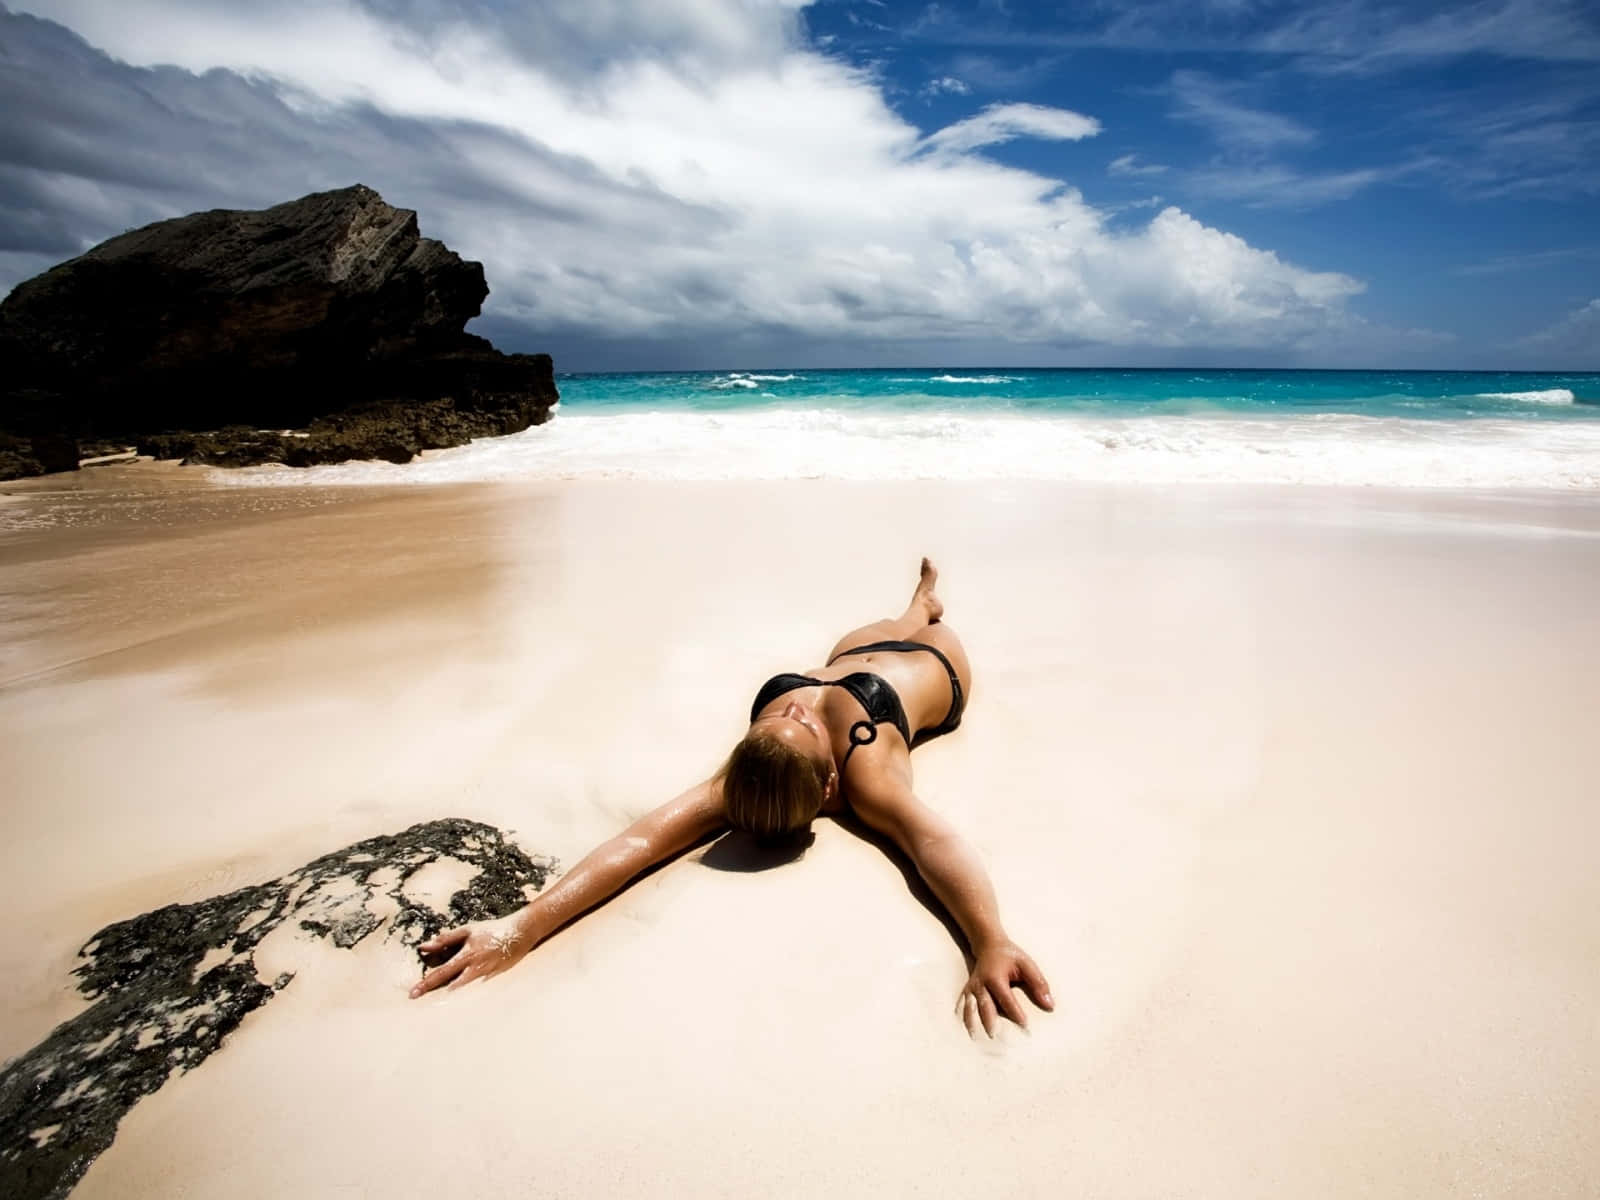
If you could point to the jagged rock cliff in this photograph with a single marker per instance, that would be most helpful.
(329, 315)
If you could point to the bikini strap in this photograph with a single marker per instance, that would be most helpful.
(862, 733)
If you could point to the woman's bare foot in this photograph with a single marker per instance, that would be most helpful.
(925, 596)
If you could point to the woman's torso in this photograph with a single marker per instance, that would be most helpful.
(919, 679)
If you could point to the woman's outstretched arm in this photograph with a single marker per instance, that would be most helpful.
(489, 947)
(947, 862)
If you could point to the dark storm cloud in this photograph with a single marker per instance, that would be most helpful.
(103, 147)
(29, 222)
(713, 192)
(88, 117)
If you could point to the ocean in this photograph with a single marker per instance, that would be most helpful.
(1380, 428)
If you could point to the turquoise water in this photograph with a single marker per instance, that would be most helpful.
(1416, 395)
(1487, 430)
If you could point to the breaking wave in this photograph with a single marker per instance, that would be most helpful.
(1549, 396)
(804, 443)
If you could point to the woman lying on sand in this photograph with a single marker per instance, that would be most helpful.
(836, 739)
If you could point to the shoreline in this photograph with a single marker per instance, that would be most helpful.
(1285, 788)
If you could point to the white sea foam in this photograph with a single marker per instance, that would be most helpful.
(972, 379)
(1550, 396)
(771, 443)
(746, 379)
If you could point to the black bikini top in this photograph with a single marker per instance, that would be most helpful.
(871, 691)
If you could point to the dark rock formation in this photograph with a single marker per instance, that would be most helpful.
(329, 315)
(171, 985)
(37, 455)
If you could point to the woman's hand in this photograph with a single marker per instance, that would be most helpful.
(483, 948)
(988, 992)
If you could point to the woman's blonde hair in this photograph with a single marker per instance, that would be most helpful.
(771, 789)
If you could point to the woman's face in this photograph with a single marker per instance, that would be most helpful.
(801, 729)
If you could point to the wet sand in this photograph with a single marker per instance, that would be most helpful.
(1290, 792)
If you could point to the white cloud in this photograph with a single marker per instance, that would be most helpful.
(1213, 104)
(705, 174)
(1505, 264)
(1366, 37)
(1575, 336)
(1324, 35)
(1277, 186)
(945, 85)
(1006, 122)
(1129, 164)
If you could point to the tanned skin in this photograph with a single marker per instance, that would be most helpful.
(876, 787)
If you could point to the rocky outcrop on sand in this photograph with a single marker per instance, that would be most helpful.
(316, 331)
(170, 986)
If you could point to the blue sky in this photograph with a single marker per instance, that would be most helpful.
(727, 183)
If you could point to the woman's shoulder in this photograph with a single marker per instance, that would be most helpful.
(879, 768)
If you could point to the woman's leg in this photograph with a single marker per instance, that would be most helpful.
(923, 610)
(943, 638)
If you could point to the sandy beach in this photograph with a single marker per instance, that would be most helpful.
(1290, 791)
